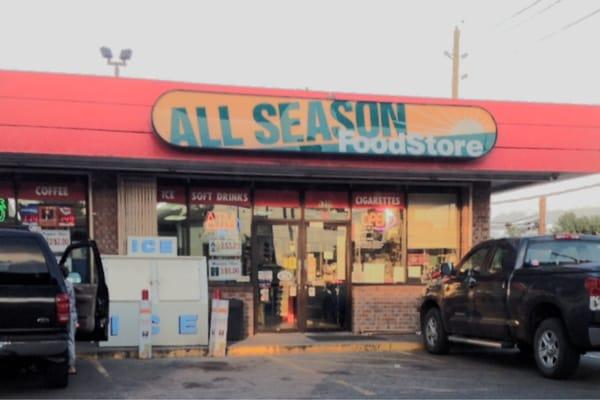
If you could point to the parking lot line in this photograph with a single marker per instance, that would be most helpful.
(362, 391)
(341, 382)
(341, 363)
(101, 370)
(425, 357)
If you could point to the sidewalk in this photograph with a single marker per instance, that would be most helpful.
(270, 344)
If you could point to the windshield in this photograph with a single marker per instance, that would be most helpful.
(558, 252)
(22, 262)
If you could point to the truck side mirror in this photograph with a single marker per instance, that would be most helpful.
(446, 269)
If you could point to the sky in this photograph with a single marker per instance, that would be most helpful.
(380, 47)
(523, 50)
(569, 194)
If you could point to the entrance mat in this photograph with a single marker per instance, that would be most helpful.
(342, 338)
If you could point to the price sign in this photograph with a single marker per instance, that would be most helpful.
(217, 344)
(224, 247)
(374, 219)
(145, 327)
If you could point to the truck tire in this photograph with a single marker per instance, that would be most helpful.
(435, 337)
(57, 374)
(554, 355)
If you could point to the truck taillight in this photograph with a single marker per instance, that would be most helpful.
(62, 308)
(592, 285)
(566, 236)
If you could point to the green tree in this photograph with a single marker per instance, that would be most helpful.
(571, 223)
(514, 230)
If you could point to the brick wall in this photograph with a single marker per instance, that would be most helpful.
(481, 211)
(244, 293)
(385, 308)
(104, 199)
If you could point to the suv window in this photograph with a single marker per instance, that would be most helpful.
(22, 261)
(475, 261)
(558, 252)
(80, 263)
(504, 259)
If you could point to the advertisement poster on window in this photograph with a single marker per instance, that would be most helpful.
(48, 217)
(224, 270)
(29, 214)
(58, 239)
(225, 247)
(66, 217)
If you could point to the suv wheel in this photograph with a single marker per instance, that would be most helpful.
(554, 355)
(57, 374)
(435, 338)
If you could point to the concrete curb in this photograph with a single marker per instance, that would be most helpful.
(372, 347)
(265, 350)
(124, 354)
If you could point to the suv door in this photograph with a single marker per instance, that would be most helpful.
(87, 274)
(490, 313)
(458, 289)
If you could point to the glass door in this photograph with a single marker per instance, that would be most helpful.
(277, 275)
(325, 276)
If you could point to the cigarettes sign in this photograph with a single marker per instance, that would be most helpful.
(244, 122)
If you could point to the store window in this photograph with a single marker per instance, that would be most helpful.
(433, 233)
(56, 208)
(8, 207)
(220, 229)
(171, 211)
(377, 230)
(326, 206)
(277, 204)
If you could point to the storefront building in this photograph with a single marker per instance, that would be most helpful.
(321, 211)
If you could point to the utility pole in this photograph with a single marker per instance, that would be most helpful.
(455, 56)
(542, 216)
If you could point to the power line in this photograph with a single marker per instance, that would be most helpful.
(540, 12)
(521, 11)
(570, 25)
(543, 10)
(547, 194)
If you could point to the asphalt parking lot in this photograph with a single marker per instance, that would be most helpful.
(466, 373)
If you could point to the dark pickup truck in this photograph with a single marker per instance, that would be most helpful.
(34, 305)
(540, 294)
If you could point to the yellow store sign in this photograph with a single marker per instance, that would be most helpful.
(262, 123)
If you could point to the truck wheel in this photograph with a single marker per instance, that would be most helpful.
(435, 338)
(554, 355)
(57, 374)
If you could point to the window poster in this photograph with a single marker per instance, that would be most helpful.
(48, 216)
(224, 269)
(58, 239)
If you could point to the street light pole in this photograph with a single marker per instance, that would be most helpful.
(124, 56)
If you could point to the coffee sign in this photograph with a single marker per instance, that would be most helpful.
(65, 191)
(247, 122)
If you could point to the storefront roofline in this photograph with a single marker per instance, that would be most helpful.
(55, 116)
(500, 180)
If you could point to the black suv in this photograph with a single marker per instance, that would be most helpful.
(34, 305)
